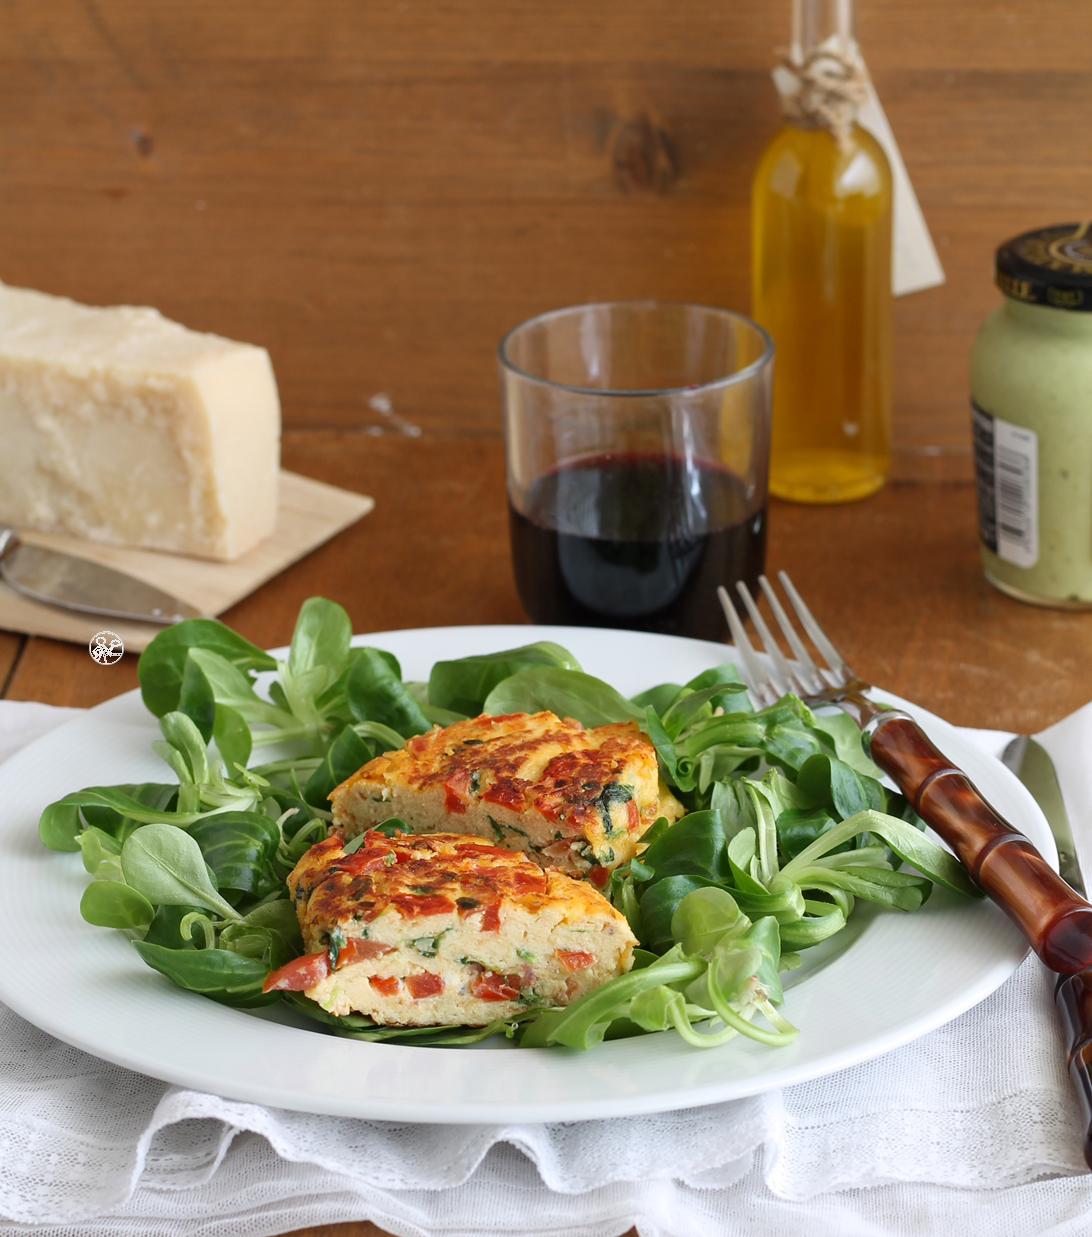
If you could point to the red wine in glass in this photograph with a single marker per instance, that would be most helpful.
(638, 541)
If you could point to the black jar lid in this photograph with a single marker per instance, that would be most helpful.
(1050, 266)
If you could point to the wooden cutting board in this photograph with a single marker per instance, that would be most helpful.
(310, 513)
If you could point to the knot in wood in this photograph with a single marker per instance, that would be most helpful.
(643, 155)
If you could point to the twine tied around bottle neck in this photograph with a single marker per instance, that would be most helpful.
(829, 88)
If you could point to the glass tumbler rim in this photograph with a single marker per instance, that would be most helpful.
(740, 376)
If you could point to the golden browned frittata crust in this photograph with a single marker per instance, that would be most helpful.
(575, 799)
(443, 929)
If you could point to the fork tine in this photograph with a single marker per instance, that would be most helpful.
(781, 674)
(799, 649)
(818, 636)
(758, 680)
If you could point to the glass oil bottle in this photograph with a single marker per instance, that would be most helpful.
(821, 265)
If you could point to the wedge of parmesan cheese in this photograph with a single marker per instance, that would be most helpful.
(121, 426)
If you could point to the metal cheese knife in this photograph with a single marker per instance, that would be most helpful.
(79, 584)
(1072, 993)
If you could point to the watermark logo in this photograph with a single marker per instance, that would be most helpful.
(106, 648)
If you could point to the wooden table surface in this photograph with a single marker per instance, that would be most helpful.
(895, 579)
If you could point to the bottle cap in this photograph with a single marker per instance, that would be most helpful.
(1050, 266)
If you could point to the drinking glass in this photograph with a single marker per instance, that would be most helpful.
(637, 447)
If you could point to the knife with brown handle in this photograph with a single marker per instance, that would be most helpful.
(1072, 993)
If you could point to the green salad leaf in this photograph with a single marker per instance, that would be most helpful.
(463, 685)
(568, 693)
(376, 693)
(162, 665)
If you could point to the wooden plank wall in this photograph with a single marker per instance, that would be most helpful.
(375, 190)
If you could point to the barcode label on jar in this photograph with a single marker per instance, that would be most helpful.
(1006, 463)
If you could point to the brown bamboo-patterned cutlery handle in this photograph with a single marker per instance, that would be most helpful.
(1056, 921)
(1073, 996)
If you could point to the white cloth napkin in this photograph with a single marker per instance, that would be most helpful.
(972, 1128)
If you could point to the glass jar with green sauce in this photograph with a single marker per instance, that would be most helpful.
(1031, 396)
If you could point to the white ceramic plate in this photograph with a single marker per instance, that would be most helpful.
(891, 979)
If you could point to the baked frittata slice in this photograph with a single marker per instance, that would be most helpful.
(445, 930)
(574, 799)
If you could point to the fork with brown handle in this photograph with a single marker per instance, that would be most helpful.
(1056, 921)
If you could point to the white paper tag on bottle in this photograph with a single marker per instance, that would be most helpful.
(1006, 459)
(914, 261)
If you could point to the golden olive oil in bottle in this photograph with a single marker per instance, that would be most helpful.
(821, 264)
